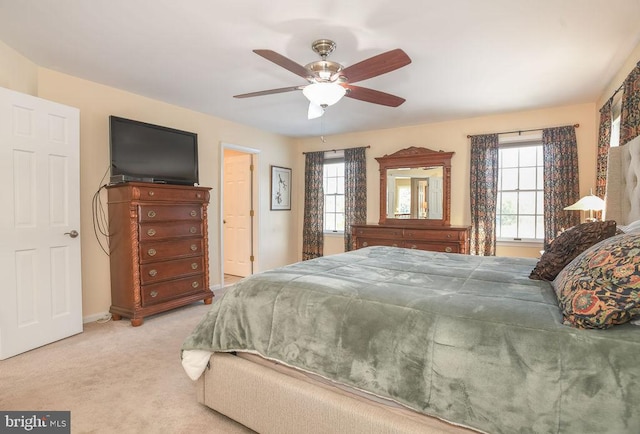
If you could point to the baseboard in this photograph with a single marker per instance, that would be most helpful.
(216, 289)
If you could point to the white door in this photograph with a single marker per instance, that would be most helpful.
(436, 193)
(237, 217)
(40, 294)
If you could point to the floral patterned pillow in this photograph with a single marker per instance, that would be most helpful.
(601, 287)
(570, 244)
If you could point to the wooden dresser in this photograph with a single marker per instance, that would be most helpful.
(450, 239)
(158, 248)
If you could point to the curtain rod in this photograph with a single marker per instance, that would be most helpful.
(336, 150)
(617, 90)
(518, 131)
(622, 85)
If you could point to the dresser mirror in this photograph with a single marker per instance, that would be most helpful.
(415, 187)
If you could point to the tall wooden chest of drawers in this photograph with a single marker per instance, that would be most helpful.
(450, 239)
(158, 248)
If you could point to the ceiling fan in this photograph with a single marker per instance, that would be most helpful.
(329, 81)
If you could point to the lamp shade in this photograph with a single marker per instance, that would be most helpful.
(587, 203)
(324, 94)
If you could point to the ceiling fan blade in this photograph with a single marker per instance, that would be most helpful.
(373, 96)
(269, 92)
(315, 111)
(284, 62)
(376, 65)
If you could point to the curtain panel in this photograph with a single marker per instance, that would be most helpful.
(630, 114)
(561, 181)
(355, 192)
(313, 226)
(604, 139)
(484, 193)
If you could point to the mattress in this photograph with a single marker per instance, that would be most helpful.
(471, 340)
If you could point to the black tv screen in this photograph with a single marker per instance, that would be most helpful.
(146, 152)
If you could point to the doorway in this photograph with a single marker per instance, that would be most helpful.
(237, 213)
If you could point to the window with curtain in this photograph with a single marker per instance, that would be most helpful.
(630, 107)
(335, 197)
(559, 185)
(619, 123)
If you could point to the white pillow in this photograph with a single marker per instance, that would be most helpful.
(631, 227)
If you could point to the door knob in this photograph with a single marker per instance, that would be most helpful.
(72, 234)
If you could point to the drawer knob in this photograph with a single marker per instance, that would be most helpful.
(193, 213)
(448, 235)
(153, 293)
(198, 195)
(153, 273)
(192, 229)
(151, 193)
(365, 244)
(194, 266)
(152, 252)
(151, 214)
(448, 249)
(195, 284)
(413, 246)
(151, 232)
(194, 247)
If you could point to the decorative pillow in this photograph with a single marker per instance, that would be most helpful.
(601, 287)
(569, 244)
(631, 227)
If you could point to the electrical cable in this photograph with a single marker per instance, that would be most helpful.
(105, 318)
(100, 220)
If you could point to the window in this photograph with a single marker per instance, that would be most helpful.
(519, 214)
(614, 140)
(333, 179)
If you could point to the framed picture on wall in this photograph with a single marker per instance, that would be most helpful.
(280, 188)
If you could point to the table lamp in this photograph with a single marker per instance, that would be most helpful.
(589, 203)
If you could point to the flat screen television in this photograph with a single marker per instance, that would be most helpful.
(152, 153)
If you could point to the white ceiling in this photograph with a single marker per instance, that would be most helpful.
(469, 57)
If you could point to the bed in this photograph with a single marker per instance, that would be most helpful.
(388, 340)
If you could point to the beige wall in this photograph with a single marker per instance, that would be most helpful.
(17, 72)
(622, 73)
(275, 244)
(452, 136)
(279, 233)
(96, 102)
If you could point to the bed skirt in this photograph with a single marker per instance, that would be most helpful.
(269, 400)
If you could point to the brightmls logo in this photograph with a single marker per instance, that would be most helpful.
(42, 422)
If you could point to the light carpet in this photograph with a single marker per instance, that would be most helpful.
(116, 378)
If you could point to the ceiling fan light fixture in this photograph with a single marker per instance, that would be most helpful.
(324, 94)
(315, 111)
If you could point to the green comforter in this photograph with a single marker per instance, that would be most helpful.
(468, 339)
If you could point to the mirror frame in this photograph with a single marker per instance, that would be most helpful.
(416, 157)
